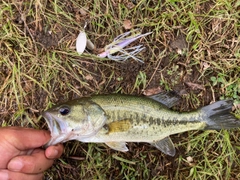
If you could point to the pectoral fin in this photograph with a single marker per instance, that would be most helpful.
(166, 146)
(119, 146)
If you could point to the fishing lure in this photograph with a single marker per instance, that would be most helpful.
(82, 42)
(119, 44)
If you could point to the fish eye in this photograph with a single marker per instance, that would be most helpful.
(64, 110)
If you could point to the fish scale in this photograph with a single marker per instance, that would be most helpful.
(116, 119)
(149, 125)
(150, 129)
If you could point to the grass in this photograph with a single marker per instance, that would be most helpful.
(194, 49)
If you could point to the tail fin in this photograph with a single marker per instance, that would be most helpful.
(218, 115)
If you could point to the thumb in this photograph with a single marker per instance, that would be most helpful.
(26, 138)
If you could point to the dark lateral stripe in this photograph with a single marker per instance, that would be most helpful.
(167, 123)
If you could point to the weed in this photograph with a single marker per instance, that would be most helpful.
(192, 41)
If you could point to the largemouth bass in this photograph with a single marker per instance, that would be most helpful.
(116, 119)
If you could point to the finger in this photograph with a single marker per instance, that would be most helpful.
(6, 175)
(26, 138)
(54, 152)
(37, 162)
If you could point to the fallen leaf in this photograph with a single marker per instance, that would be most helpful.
(205, 65)
(89, 77)
(189, 159)
(179, 51)
(83, 12)
(127, 24)
(236, 107)
(195, 86)
(152, 91)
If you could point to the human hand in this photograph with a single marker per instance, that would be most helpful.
(21, 155)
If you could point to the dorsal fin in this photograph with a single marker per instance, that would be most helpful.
(169, 98)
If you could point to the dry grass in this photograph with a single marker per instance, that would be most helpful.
(194, 49)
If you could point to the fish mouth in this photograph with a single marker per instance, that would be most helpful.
(49, 120)
(57, 129)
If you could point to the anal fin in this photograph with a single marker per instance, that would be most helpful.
(166, 146)
(119, 146)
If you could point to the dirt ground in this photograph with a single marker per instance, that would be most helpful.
(176, 70)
